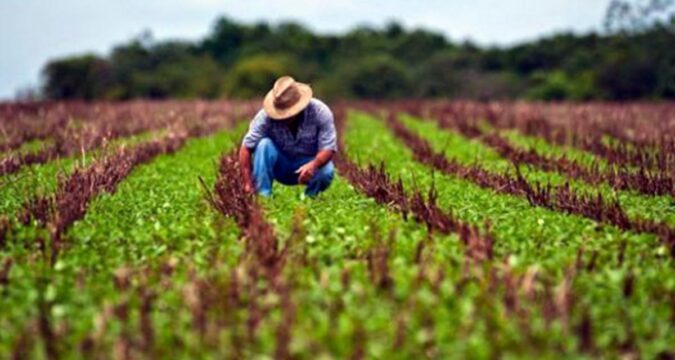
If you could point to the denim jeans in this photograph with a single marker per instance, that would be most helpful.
(271, 164)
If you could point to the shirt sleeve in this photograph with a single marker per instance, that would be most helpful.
(327, 132)
(256, 131)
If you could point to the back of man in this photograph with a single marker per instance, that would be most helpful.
(292, 141)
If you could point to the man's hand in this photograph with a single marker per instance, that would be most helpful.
(306, 172)
(248, 187)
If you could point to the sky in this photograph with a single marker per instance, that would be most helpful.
(35, 31)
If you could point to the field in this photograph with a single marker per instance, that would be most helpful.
(452, 230)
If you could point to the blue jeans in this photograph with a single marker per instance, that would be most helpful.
(271, 164)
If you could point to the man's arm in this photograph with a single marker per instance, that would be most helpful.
(256, 131)
(327, 144)
(307, 171)
(245, 164)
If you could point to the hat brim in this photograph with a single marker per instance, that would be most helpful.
(283, 114)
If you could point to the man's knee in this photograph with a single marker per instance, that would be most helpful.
(265, 144)
(266, 149)
(326, 173)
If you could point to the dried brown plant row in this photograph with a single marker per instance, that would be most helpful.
(66, 144)
(557, 198)
(230, 198)
(643, 132)
(643, 180)
(22, 122)
(78, 127)
(74, 192)
(264, 257)
(636, 124)
(233, 300)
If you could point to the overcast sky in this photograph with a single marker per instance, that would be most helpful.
(34, 31)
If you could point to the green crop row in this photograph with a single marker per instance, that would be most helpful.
(528, 238)
(468, 151)
(359, 280)
(40, 179)
(545, 148)
(157, 215)
(28, 147)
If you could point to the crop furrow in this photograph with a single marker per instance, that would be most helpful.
(374, 182)
(74, 193)
(65, 145)
(643, 180)
(69, 202)
(655, 154)
(230, 198)
(641, 133)
(558, 198)
(268, 257)
(80, 127)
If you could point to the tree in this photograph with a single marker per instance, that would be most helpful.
(189, 77)
(625, 76)
(636, 16)
(377, 77)
(438, 77)
(242, 60)
(225, 40)
(80, 77)
(254, 76)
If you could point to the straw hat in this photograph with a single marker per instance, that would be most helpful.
(287, 98)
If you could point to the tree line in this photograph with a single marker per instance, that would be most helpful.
(242, 60)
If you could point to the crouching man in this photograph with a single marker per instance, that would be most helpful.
(292, 140)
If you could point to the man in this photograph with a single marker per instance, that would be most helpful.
(292, 140)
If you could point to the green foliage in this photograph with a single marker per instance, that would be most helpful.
(171, 69)
(79, 77)
(378, 77)
(42, 179)
(529, 238)
(157, 216)
(627, 76)
(187, 78)
(437, 76)
(557, 85)
(242, 60)
(157, 236)
(252, 76)
(469, 151)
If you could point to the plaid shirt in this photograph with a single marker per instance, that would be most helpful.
(316, 132)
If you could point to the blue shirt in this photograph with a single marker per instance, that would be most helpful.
(316, 131)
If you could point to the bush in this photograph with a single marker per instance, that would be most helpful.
(191, 78)
(378, 77)
(253, 77)
(625, 76)
(558, 85)
(80, 77)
